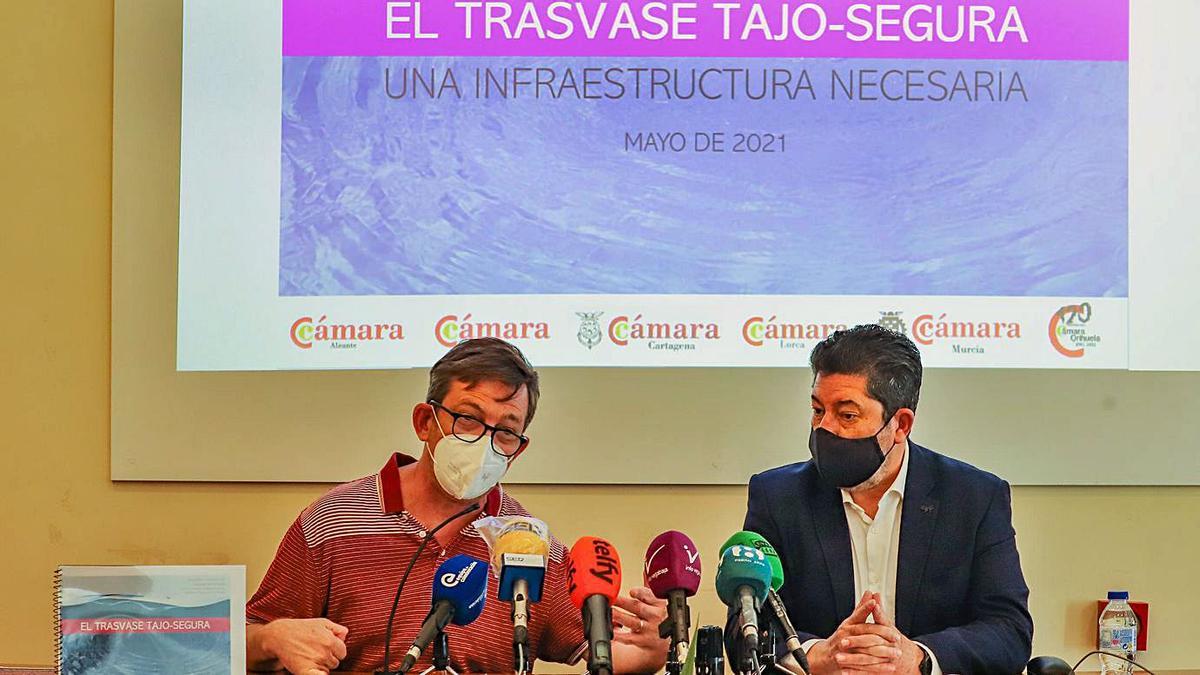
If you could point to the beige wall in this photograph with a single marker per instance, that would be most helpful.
(59, 506)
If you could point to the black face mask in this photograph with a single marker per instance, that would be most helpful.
(845, 462)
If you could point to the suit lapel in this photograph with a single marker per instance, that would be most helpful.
(918, 526)
(829, 522)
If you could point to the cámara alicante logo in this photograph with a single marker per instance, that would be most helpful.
(307, 331)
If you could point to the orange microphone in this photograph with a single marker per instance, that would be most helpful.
(594, 581)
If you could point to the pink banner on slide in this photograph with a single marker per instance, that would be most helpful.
(1079, 30)
(106, 626)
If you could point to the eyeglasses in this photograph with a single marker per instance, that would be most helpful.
(470, 429)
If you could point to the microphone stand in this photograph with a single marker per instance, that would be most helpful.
(710, 651)
(677, 652)
(748, 654)
(441, 656)
(766, 647)
(674, 665)
(599, 636)
(520, 614)
(521, 661)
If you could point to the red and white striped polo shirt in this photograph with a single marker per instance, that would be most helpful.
(343, 558)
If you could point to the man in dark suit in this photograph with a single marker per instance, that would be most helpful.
(925, 543)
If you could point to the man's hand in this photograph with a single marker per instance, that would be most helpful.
(305, 646)
(857, 646)
(636, 645)
(911, 654)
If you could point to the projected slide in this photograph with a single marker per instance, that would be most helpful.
(652, 183)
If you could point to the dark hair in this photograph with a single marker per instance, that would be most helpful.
(889, 360)
(481, 359)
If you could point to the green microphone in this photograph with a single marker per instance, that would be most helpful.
(759, 542)
(756, 540)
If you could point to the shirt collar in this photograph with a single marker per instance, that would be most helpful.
(897, 485)
(391, 497)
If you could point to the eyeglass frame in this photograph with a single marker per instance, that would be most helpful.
(488, 430)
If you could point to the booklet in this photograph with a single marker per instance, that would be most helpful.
(134, 620)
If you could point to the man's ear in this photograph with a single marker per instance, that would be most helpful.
(422, 415)
(905, 418)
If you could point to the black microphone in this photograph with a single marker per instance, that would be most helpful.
(768, 636)
(1049, 665)
(387, 643)
(789, 632)
(710, 651)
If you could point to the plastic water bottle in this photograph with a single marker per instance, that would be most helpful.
(1118, 634)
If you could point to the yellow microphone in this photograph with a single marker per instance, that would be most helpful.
(520, 536)
(519, 552)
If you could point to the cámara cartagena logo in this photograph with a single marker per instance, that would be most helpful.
(758, 331)
(1069, 333)
(452, 329)
(927, 329)
(307, 331)
(668, 335)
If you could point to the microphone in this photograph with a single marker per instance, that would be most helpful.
(757, 541)
(519, 552)
(594, 581)
(672, 572)
(459, 594)
(387, 639)
(1049, 665)
(743, 578)
(774, 602)
(710, 651)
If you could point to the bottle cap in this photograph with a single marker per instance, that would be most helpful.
(1118, 595)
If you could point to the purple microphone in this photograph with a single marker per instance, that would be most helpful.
(672, 572)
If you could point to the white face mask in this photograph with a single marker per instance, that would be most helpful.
(466, 470)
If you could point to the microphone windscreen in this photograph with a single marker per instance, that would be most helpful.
(1048, 665)
(595, 570)
(520, 541)
(513, 534)
(742, 566)
(672, 563)
(520, 554)
(748, 538)
(462, 581)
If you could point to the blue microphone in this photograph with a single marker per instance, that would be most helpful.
(459, 594)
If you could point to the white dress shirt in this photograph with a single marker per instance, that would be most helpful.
(875, 548)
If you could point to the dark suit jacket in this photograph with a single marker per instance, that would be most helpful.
(959, 586)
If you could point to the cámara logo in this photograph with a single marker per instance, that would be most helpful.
(1069, 333)
(306, 331)
(450, 329)
(757, 331)
(673, 336)
(589, 334)
(926, 329)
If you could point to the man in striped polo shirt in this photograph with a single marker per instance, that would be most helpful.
(324, 602)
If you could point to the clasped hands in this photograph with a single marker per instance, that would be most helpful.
(866, 642)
